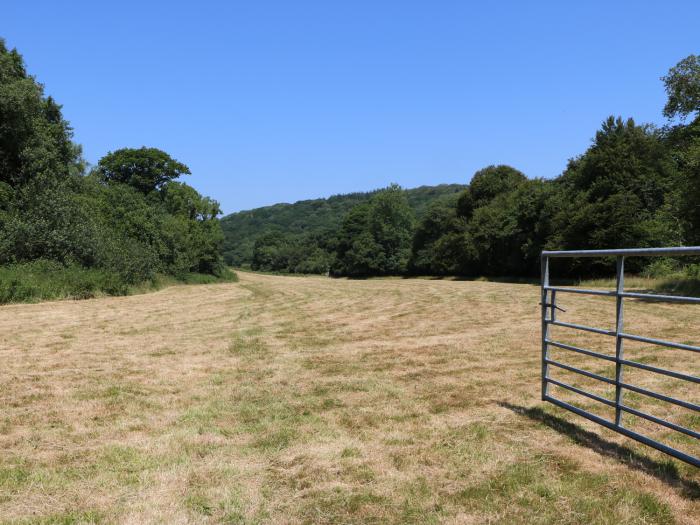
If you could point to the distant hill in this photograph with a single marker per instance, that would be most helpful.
(315, 216)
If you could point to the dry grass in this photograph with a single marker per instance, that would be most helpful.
(311, 400)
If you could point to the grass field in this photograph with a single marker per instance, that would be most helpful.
(312, 400)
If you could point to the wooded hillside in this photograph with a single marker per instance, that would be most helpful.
(314, 218)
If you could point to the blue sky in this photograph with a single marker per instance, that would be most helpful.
(286, 100)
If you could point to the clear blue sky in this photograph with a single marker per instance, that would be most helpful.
(280, 101)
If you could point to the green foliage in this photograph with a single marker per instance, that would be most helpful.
(622, 192)
(508, 232)
(683, 142)
(44, 279)
(64, 234)
(619, 195)
(275, 252)
(390, 224)
(47, 219)
(439, 230)
(375, 238)
(497, 229)
(146, 169)
(683, 88)
(35, 140)
(309, 221)
(489, 183)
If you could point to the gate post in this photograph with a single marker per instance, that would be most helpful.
(619, 341)
(544, 261)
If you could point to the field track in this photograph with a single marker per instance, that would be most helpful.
(313, 400)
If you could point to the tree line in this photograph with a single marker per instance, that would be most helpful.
(66, 230)
(71, 230)
(637, 185)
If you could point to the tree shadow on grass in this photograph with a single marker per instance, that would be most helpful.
(665, 471)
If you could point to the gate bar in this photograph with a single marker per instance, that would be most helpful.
(580, 290)
(583, 327)
(662, 298)
(581, 350)
(635, 295)
(660, 342)
(628, 252)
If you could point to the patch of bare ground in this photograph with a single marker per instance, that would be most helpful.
(312, 400)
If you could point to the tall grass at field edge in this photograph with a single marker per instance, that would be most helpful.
(47, 280)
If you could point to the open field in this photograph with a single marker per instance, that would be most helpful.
(311, 400)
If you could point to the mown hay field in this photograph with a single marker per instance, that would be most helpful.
(313, 400)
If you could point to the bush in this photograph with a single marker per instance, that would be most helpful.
(692, 271)
(662, 267)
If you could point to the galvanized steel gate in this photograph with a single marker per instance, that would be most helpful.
(549, 318)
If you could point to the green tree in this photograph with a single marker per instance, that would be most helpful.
(49, 218)
(193, 232)
(497, 226)
(616, 194)
(354, 225)
(270, 253)
(390, 221)
(684, 143)
(316, 221)
(492, 181)
(146, 169)
(439, 221)
(683, 88)
(507, 234)
(375, 238)
(279, 252)
(35, 140)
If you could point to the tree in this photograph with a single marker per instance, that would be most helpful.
(616, 195)
(440, 220)
(280, 252)
(492, 181)
(146, 169)
(192, 231)
(182, 199)
(497, 226)
(375, 238)
(35, 140)
(269, 252)
(508, 234)
(354, 225)
(390, 222)
(683, 88)
(50, 219)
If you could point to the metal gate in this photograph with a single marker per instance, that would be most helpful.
(549, 318)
